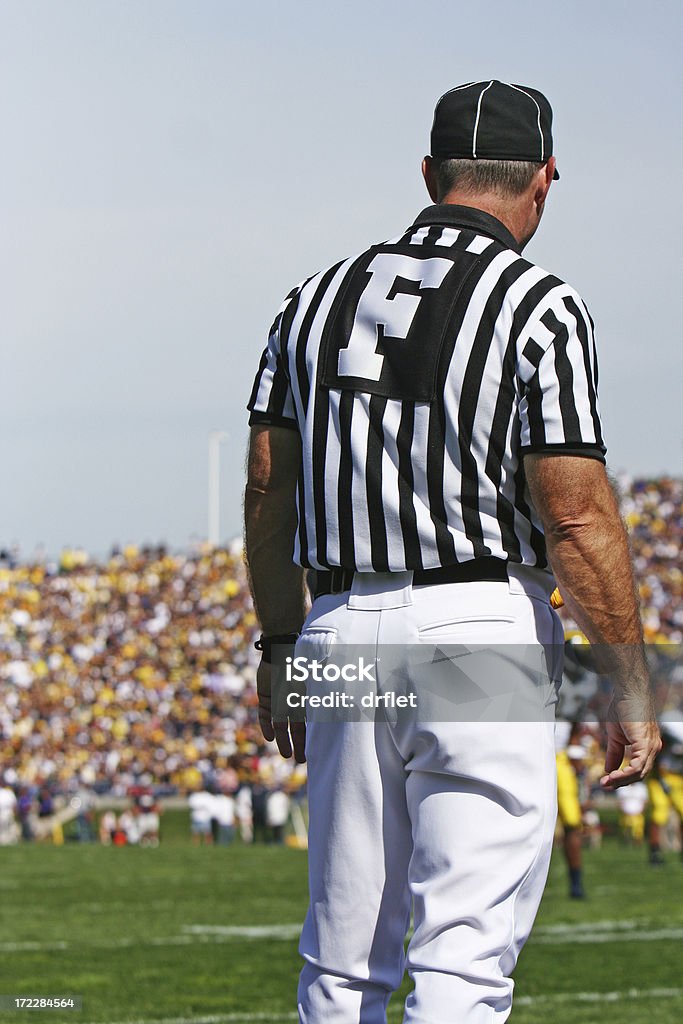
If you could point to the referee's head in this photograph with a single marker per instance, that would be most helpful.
(492, 148)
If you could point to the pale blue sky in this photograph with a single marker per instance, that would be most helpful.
(170, 169)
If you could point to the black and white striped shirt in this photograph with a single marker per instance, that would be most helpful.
(418, 374)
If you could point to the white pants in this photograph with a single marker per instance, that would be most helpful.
(453, 819)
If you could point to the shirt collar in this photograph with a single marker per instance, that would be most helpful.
(468, 217)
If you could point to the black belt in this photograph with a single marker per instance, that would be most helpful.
(336, 581)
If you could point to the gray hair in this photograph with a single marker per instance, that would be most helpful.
(507, 178)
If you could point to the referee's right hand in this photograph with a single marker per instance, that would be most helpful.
(289, 735)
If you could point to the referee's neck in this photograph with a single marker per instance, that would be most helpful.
(515, 215)
(520, 214)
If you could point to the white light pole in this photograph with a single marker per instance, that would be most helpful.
(216, 439)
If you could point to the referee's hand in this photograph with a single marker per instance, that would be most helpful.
(288, 734)
(632, 732)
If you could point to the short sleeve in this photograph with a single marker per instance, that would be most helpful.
(558, 371)
(271, 400)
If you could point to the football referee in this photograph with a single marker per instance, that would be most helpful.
(426, 440)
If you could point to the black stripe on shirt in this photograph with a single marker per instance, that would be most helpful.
(582, 449)
(591, 378)
(536, 537)
(437, 416)
(373, 484)
(266, 419)
(305, 331)
(469, 401)
(571, 425)
(501, 426)
(257, 379)
(495, 456)
(321, 414)
(347, 557)
(407, 515)
(279, 391)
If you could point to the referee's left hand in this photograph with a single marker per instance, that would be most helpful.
(632, 732)
(288, 734)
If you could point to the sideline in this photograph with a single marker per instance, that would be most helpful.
(557, 997)
(584, 933)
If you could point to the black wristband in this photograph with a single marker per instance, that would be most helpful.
(265, 644)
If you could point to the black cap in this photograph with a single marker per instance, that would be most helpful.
(493, 121)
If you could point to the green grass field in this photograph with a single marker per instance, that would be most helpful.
(188, 934)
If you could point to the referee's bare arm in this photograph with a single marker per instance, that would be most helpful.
(589, 553)
(277, 584)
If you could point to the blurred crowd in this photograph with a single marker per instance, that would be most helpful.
(139, 670)
(653, 512)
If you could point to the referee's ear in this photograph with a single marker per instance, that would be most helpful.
(543, 183)
(430, 178)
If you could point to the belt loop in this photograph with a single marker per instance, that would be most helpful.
(524, 579)
(375, 591)
(514, 581)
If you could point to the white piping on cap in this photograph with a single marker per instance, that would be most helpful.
(476, 123)
(538, 110)
(457, 88)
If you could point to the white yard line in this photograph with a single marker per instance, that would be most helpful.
(192, 935)
(127, 907)
(589, 938)
(620, 925)
(557, 997)
(31, 947)
(214, 1018)
(584, 933)
(601, 997)
(256, 931)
